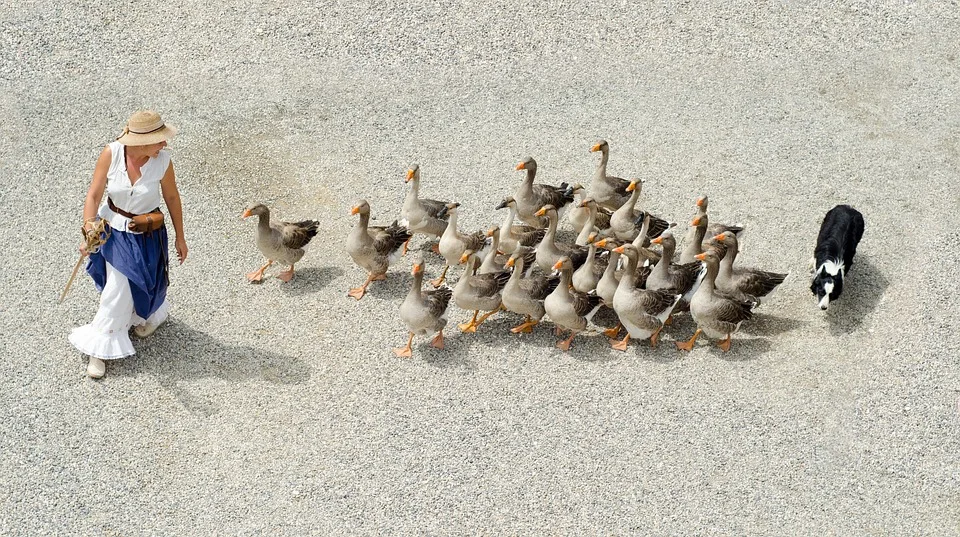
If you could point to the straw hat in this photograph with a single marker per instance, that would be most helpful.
(145, 128)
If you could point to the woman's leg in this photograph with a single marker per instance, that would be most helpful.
(106, 337)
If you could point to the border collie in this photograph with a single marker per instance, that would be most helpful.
(840, 233)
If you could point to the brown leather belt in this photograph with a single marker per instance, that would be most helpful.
(123, 213)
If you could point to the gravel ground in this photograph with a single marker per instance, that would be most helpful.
(280, 408)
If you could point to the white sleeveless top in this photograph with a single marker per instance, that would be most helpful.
(139, 198)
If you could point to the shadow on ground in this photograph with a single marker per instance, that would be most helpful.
(863, 288)
(178, 352)
(310, 280)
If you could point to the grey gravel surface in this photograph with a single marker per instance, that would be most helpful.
(279, 408)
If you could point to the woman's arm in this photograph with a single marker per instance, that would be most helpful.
(95, 193)
(171, 196)
(97, 186)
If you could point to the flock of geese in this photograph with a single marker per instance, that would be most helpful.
(522, 267)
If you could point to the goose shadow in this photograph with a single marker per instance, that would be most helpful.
(764, 324)
(310, 280)
(176, 353)
(742, 349)
(863, 288)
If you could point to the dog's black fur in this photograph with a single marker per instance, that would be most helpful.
(840, 233)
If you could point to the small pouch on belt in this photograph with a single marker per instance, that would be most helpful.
(141, 223)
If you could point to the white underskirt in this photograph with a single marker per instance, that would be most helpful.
(108, 336)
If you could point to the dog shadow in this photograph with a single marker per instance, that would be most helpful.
(863, 288)
(177, 353)
(310, 280)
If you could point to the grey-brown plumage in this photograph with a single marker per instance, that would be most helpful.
(373, 248)
(421, 215)
(549, 251)
(586, 277)
(530, 197)
(282, 242)
(424, 312)
(513, 235)
(666, 275)
(641, 311)
(568, 308)
(609, 191)
(730, 279)
(693, 243)
(453, 243)
(478, 292)
(717, 314)
(598, 220)
(524, 293)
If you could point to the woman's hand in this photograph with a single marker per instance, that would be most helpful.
(182, 249)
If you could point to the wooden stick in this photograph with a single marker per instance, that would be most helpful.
(76, 268)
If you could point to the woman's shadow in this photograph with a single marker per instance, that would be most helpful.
(863, 287)
(177, 352)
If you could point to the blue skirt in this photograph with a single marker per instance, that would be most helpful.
(143, 259)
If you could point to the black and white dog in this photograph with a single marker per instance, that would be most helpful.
(840, 233)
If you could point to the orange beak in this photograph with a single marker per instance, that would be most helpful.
(558, 265)
(619, 249)
(246, 214)
(700, 257)
(658, 240)
(632, 186)
(595, 148)
(509, 263)
(521, 166)
(409, 176)
(720, 237)
(355, 210)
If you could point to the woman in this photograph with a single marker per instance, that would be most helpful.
(130, 268)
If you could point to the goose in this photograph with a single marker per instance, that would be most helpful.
(683, 278)
(597, 219)
(524, 294)
(718, 314)
(642, 312)
(453, 243)
(730, 279)
(626, 222)
(530, 197)
(607, 285)
(568, 308)
(420, 215)
(586, 277)
(375, 248)
(478, 291)
(610, 192)
(716, 228)
(578, 215)
(515, 235)
(493, 261)
(281, 242)
(424, 312)
(696, 234)
(548, 251)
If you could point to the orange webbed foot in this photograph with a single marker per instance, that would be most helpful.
(437, 341)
